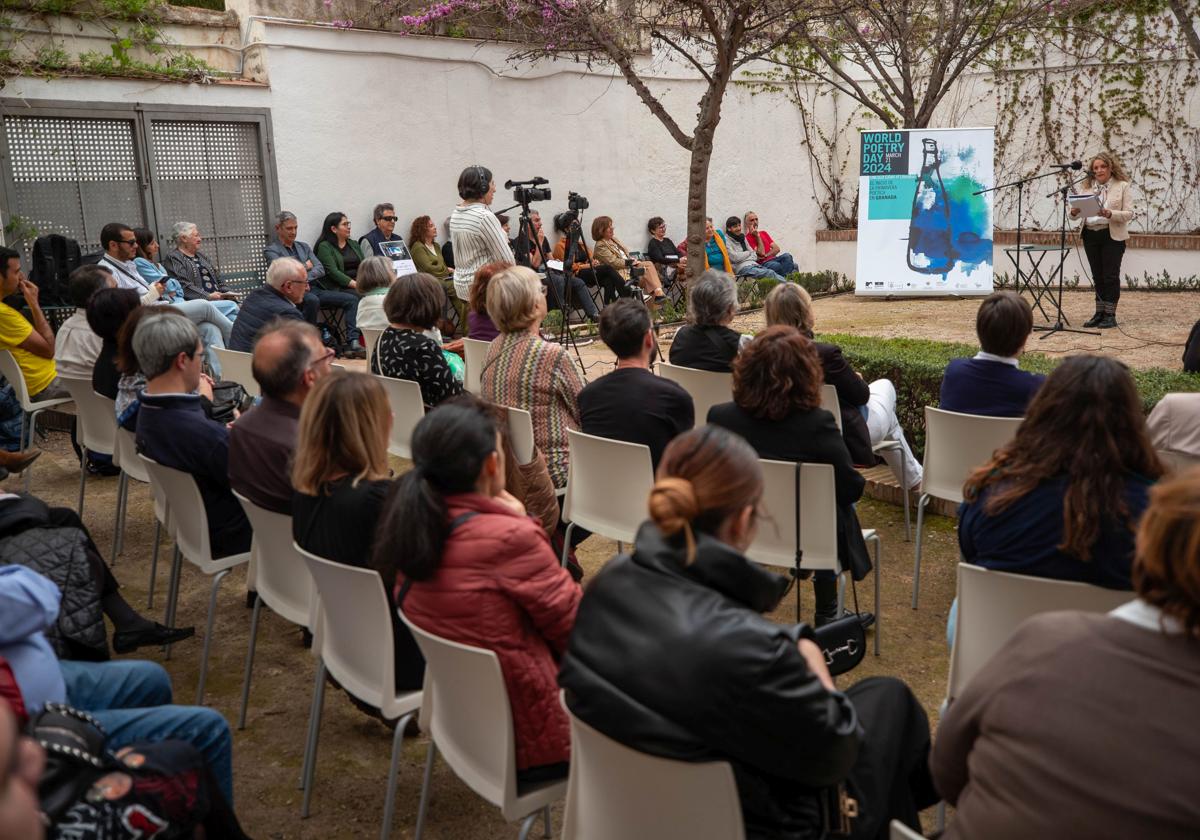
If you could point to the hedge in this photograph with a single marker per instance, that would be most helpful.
(915, 367)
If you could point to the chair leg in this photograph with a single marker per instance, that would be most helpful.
(567, 543)
(904, 495)
(173, 593)
(212, 609)
(527, 824)
(389, 802)
(249, 663)
(546, 822)
(154, 563)
(82, 478)
(424, 803)
(314, 732)
(116, 547)
(27, 422)
(940, 823)
(921, 502)
(841, 596)
(878, 607)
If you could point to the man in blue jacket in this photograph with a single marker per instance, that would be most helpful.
(279, 297)
(992, 382)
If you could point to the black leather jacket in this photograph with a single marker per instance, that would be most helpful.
(678, 662)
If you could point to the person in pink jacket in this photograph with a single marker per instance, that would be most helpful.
(473, 567)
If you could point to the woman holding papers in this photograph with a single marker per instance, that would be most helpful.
(1104, 234)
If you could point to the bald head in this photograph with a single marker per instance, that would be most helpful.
(284, 357)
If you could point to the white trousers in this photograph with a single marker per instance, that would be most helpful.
(883, 425)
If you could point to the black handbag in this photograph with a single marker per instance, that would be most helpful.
(75, 756)
(229, 399)
(844, 641)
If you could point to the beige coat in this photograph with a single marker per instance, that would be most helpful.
(1120, 202)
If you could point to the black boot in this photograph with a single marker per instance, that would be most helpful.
(1094, 321)
(825, 593)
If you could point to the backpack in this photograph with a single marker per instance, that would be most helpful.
(54, 258)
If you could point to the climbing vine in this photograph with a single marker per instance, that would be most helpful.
(32, 41)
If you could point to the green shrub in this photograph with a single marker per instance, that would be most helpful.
(915, 367)
(814, 282)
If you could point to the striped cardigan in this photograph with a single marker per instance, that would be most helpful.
(478, 240)
(523, 371)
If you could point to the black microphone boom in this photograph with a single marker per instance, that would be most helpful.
(1075, 164)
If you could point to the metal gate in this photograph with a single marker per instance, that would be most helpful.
(71, 170)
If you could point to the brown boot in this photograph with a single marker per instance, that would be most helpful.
(15, 462)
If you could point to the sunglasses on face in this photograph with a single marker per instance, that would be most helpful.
(388, 218)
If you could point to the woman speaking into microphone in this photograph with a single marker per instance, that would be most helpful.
(1104, 235)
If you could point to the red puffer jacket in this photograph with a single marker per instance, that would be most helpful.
(501, 587)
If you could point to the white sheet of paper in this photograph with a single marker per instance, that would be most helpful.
(1086, 203)
(557, 265)
(403, 267)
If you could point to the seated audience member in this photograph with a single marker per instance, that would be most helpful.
(716, 248)
(427, 257)
(133, 381)
(278, 298)
(22, 761)
(706, 342)
(289, 359)
(375, 278)
(1122, 685)
(342, 481)
(130, 698)
(479, 324)
(287, 245)
(777, 409)
(475, 231)
(1062, 499)
(173, 430)
(765, 248)
(671, 656)
(147, 264)
(741, 254)
(341, 256)
(1174, 428)
(196, 273)
(76, 346)
(592, 272)
(413, 305)
(631, 403)
(384, 216)
(31, 532)
(472, 567)
(107, 311)
(31, 344)
(611, 252)
(447, 246)
(992, 382)
(525, 246)
(663, 252)
(868, 411)
(503, 219)
(523, 371)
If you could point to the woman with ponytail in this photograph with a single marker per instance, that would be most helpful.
(471, 566)
(671, 656)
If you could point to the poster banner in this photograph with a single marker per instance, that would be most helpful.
(921, 228)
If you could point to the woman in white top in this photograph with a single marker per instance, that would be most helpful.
(1104, 235)
(375, 276)
(475, 232)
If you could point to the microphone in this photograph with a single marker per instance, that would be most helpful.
(1075, 164)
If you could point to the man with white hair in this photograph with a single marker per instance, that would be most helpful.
(173, 429)
(196, 272)
(279, 297)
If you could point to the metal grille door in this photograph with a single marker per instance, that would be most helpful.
(211, 173)
(71, 176)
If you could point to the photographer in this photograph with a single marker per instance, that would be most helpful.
(609, 251)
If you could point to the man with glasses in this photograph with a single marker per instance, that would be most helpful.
(385, 230)
(289, 359)
(278, 298)
(765, 249)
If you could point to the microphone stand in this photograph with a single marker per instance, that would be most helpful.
(1061, 319)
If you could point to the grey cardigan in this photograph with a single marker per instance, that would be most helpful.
(180, 266)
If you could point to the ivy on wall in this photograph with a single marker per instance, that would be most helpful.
(31, 42)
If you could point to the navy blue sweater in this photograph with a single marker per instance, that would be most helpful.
(260, 306)
(982, 386)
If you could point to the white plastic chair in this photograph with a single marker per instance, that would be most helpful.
(899, 831)
(354, 643)
(236, 367)
(371, 339)
(955, 444)
(1177, 462)
(829, 402)
(11, 370)
(470, 721)
(132, 466)
(281, 580)
(800, 528)
(520, 432)
(615, 792)
(475, 354)
(190, 521)
(97, 428)
(608, 483)
(706, 387)
(407, 410)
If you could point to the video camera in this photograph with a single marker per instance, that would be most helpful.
(575, 201)
(525, 192)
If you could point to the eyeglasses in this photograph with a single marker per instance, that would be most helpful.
(305, 282)
(388, 218)
(128, 241)
(324, 357)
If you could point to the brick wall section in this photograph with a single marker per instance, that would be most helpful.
(1149, 241)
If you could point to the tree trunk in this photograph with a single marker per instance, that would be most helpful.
(702, 148)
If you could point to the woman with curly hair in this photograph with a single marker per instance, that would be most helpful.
(1104, 235)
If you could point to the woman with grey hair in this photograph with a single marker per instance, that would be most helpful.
(196, 272)
(375, 277)
(706, 342)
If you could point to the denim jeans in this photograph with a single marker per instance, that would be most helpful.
(214, 328)
(780, 264)
(580, 296)
(753, 269)
(131, 699)
(228, 308)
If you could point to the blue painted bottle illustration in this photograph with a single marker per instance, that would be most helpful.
(930, 240)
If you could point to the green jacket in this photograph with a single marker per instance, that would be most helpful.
(335, 267)
(429, 262)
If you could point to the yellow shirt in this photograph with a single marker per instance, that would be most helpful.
(14, 329)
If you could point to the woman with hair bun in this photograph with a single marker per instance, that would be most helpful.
(671, 656)
(471, 566)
